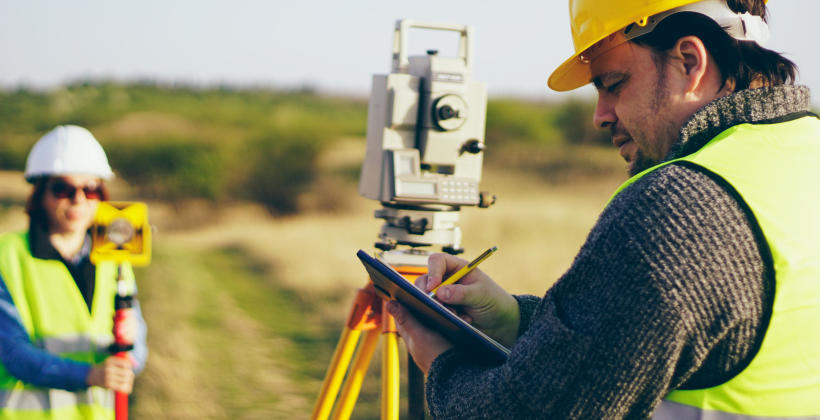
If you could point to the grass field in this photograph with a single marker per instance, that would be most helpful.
(244, 309)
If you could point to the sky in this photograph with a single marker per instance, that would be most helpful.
(331, 46)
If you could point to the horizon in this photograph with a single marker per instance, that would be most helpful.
(322, 46)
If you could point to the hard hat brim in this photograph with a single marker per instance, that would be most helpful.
(575, 72)
(571, 74)
(31, 177)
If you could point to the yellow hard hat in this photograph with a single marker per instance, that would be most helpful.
(598, 25)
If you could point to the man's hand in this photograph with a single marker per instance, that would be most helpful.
(476, 298)
(114, 373)
(422, 343)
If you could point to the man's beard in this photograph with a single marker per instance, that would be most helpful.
(640, 164)
(643, 162)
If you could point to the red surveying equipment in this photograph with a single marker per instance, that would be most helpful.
(121, 234)
(121, 345)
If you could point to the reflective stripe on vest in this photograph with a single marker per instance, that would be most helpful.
(49, 399)
(75, 343)
(57, 319)
(774, 169)
(672, 410)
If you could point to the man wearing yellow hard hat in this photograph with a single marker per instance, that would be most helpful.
(697, 292)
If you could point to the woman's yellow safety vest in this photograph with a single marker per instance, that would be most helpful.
(57, 320)
(774, 170)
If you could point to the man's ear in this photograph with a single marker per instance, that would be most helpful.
(694, 59)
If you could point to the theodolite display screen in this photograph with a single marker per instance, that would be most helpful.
(420, 189)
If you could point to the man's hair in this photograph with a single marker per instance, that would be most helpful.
(743, 62)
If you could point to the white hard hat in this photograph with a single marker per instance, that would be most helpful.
(67, 150)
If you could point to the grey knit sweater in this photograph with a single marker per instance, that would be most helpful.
(669, 291)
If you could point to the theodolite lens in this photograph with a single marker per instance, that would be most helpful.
(446, 112)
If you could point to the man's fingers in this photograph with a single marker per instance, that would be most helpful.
(455, 294)
(421, 282)
(405, 323)
(400, 314)
(469, 295)
(423, 344)
(438, 265)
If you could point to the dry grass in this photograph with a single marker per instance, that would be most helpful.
(212, 355)
(13, 193)
(538, 229)
(218, 349)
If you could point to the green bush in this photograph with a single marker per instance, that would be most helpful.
(171, 169)
(13, 155)
(510, 120)
(574, 120)
(279, 167)
(568, 122)
(174, 142)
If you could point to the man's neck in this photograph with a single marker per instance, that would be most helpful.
(752, 106)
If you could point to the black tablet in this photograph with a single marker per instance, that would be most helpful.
(391, 285)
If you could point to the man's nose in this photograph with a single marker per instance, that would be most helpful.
(604, 116)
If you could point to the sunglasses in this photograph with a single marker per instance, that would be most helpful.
(61, 189)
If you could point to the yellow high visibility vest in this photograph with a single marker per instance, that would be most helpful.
(57, 320)
(774, 170)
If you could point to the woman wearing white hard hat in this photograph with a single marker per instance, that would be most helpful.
(56, 307)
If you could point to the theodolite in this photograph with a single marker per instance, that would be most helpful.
(425, 143)
(425, 149)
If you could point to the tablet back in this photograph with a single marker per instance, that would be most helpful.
(391, 285)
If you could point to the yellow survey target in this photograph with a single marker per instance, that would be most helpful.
(121, 233)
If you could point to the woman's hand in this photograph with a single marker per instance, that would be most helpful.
(114, 373)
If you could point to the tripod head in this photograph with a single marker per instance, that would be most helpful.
(425, 143)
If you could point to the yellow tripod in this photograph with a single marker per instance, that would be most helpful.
(368, 314)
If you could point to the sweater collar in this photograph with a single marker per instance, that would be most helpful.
(762, 105)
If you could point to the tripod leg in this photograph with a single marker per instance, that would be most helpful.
(335, 373)
(390, 377)
(415, 392)
(353, 385)
(415, 378)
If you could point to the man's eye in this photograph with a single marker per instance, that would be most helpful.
(613, 87)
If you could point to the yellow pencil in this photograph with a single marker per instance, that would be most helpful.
(464, 270)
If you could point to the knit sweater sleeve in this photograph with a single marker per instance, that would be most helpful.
(668, 290)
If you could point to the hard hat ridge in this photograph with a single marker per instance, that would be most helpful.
(67, 150)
